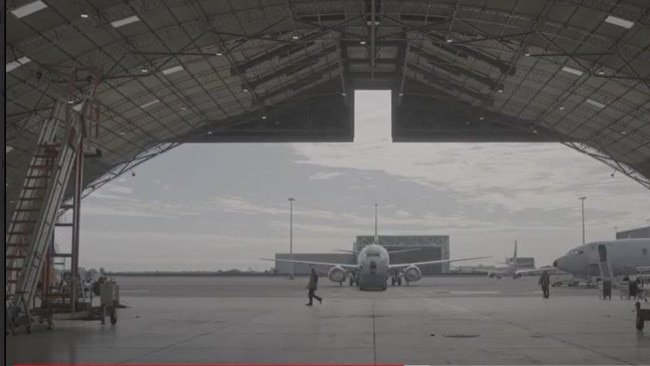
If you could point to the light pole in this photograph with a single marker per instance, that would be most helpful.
(291, 199)
(583, 198)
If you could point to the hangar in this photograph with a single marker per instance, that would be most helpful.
(571, 71)
(148, 75)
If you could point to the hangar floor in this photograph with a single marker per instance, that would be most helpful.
(449, 320)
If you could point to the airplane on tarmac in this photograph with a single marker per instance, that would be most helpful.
(625, 257)
(511, 270)
(373, 267)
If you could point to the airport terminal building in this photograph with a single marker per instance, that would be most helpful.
(431, 247)
(638, 233)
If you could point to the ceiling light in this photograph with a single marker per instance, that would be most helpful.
(125, 21)
(71, 101)
(122, 133)
(561, 107)
(343, 94)
(595, 103)
(219, 53)
(534, 131)
(623, 132)
(401, 94)
(527, 54)
(144, 70)
(362, 42)
(16, 64)
(601, 72)
(172, 70)
(619, 21)
(481, 118)
(209, 132)
(449, 40)
(295, 38)
(245, 90)
(183, 108)
(263, 117)
(30, 8)
(78, 107)
(148, 104)
(84, 15)
(500, 89)
(571, 70)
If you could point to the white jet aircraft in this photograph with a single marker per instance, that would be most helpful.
(624, 255)
(373, 267)
(511, 270)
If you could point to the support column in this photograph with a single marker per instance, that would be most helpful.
(78, 188)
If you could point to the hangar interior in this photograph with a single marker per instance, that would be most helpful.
(127, 81)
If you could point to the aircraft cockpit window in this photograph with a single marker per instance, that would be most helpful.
(575, 252)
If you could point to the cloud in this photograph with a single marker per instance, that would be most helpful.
(323, 175)
(402, 214)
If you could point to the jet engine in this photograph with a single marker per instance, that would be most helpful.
(412, 273)
(336, 274)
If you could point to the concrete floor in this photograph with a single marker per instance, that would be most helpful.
(265, 320)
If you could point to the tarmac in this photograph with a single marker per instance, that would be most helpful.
(438, 320)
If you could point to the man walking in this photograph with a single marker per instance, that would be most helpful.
(313, 284)
(544, 281)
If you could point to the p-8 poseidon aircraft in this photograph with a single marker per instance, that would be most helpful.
(373, 267)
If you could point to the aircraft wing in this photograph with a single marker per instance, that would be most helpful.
(550, 270)
(389, 251)
(403, 265)
(404, 250)
(346, 266)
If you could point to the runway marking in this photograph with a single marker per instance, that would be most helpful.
(474, 292)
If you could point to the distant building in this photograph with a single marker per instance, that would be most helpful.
(642, 232)
(299, 268)
(522, 262)
(432, 247)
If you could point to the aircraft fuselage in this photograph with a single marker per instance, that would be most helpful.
(625, 255)
(373, 261)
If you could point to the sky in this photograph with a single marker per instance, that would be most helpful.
(223, 206)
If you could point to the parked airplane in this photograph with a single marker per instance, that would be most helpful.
(624, 255)
(373, 267)
(510, 270)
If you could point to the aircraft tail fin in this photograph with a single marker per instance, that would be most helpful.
(514, 258)
(376, 237)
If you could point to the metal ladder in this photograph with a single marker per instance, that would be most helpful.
(31, 227)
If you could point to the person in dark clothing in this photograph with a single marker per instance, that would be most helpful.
(545, 281)
(633, 289)
(313, 284)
